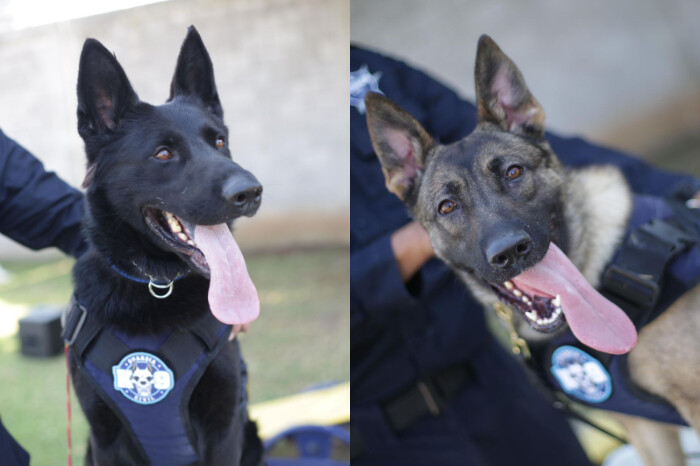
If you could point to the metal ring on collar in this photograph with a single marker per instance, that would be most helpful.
(168, 286)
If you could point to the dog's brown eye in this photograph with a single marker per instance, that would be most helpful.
(163, 154)
(514, 171)
(446, 207)
(220, 143)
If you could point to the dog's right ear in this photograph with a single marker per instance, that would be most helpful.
(502, 97)
(104, 92)
(400, 142)
(194, 73)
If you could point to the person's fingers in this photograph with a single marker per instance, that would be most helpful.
(237, 329)
(694, 202)
(234, 332)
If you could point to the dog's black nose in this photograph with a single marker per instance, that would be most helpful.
(508, 249)
(244, 192)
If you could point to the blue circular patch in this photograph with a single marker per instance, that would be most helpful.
(143, 378)
(580, 375)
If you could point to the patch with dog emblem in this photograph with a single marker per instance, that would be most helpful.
(580, 375)
(143, 378)
(362, 82)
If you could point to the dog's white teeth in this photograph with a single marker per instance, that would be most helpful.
(508, 285)
(525, 299)
(556, 302)
(175, 225)
(532, 315)
(540, 321)
(190, 242)
(517, 292)
(182, 236)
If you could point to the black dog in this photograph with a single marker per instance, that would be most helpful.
(156, 375)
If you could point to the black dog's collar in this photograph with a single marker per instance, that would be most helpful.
(152, 282)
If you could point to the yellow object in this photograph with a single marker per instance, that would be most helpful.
(596, 444)
(327, 406)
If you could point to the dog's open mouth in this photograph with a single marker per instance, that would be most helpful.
(543, 313)
(177, 234)
(233, 298)
(554, 289)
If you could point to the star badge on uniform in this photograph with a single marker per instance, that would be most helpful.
(363, 81)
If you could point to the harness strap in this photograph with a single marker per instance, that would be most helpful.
(429, 396)
(178, 348)
(84, 334)
(636, 272)
(573, 413)
(634, 278)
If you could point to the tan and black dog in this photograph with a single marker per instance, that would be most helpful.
(518, 228)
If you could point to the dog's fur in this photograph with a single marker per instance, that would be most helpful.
(123, 181)
(583, 211)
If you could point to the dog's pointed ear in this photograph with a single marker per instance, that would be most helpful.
(194, 73)
(104, 91)
(502, 95)
(401, 144)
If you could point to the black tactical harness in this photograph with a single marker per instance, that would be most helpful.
(155, 413)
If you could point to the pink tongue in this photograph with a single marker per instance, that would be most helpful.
(232, 296)
(594, 320)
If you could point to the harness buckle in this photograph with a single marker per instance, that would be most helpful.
(72, 321)
(637, 271)
(428, 398)
(641, 289)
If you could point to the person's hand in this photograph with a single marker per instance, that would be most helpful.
(237, 329)
(412, 248)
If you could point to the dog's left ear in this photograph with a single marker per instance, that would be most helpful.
(502, 95)
(194, 73)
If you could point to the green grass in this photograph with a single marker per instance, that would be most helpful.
(301, 338)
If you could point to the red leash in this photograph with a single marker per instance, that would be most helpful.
(68, 410)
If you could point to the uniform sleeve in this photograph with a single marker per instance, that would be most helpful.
(37, 208)
(377, 289)
(447, 116)
(642, 177)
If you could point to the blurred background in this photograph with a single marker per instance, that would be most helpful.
(624, 74)
(281, 70)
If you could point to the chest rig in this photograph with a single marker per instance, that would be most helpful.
(147, 380)
(657, 263)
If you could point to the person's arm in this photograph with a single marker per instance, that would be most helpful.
(412, 248)
(37, 208)
(376, 285)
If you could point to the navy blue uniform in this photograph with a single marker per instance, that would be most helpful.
(402, 333)
(38, 210)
